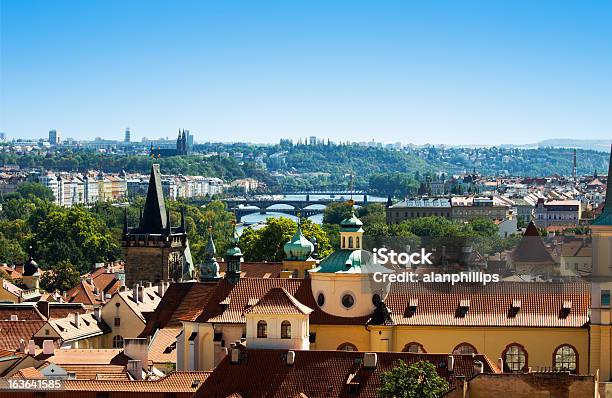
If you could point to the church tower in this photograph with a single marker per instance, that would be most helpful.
(155, 251)
(601, 288)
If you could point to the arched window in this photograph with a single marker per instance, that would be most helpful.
(343, 242)
(286, 330)
(414, 347)
(350, 242)
(347, 347)
(357, 246)
(515, 358)
(465, 348)
(565, 357)
(117, 341)
(262, 329)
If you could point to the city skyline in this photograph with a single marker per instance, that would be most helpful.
(476, 73)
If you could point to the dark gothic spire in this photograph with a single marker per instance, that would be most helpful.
(154, 218)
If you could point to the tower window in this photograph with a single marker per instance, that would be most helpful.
(350, 242)
(566, 358)
(605, 298)
(286, 330)
(262, 330)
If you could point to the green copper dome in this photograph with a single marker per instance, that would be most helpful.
(209, 269)
(298, 248)
(351, 224)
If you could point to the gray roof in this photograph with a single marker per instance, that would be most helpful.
(434, 202)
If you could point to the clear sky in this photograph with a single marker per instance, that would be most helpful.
(479, 72)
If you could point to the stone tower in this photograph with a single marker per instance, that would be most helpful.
(155, 251)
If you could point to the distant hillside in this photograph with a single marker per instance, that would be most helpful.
(594, 145)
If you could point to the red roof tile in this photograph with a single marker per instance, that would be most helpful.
(278, 301)
(265, 373)
(11, 332)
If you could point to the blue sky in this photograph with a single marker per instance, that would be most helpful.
(479, 72)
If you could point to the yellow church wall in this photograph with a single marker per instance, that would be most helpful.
(329, 337)
(539, 343)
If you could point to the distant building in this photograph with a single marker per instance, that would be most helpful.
(470, 207)
(128, 135)
(55, 137)
(557, 212)
(181, 147)
(2, 136)
(416, 208)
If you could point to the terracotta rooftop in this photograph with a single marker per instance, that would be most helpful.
(278, 301)
(255, 269)
(265, 373)
(87, 326)
(27, 373)
(23, 311)
(162, 348)
(177, 382)
(182, 301)
(11, 332)
(490, 305)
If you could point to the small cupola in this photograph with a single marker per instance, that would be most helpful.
(351, 232)
(209, 269)
(298, 248)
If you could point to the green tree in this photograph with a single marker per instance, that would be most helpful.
(10, 251)
(372, 213)
(35, 190)
(75, 235)
(62, 277)
(484, 227)
(419, 380)
(335, 212)
(266, 244)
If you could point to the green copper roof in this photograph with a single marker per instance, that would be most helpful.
(605, 218)
(298, 248)
(352, 221)
(348, 261)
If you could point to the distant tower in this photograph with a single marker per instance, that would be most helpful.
(574, 169)
(128, 135)
(55, 137)
(155, 251)
(233, 257)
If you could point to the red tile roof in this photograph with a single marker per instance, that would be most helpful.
(255, 269)
(265, 373)
(531, 249)
(23, 312)
(176, 382)
(11, 332)
(182, 301)
(27, 373)
(490, 305)
(278, 301)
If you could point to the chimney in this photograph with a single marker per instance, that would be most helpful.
(134, 367)
(14, 317)
(77, 319)
(500, 364)
(370, 360)
(137, 348)
(97, 313)
(290, 358)
(149, 284)
(135, 292)
(451, 363)
(478, 367)
(234, 354)
(161, 289)
(31, 348)
(22, 346)
(48, 347)
(141, 295)
(43, 308)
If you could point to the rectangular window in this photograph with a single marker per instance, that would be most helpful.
(117, 321)
(605, 298)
